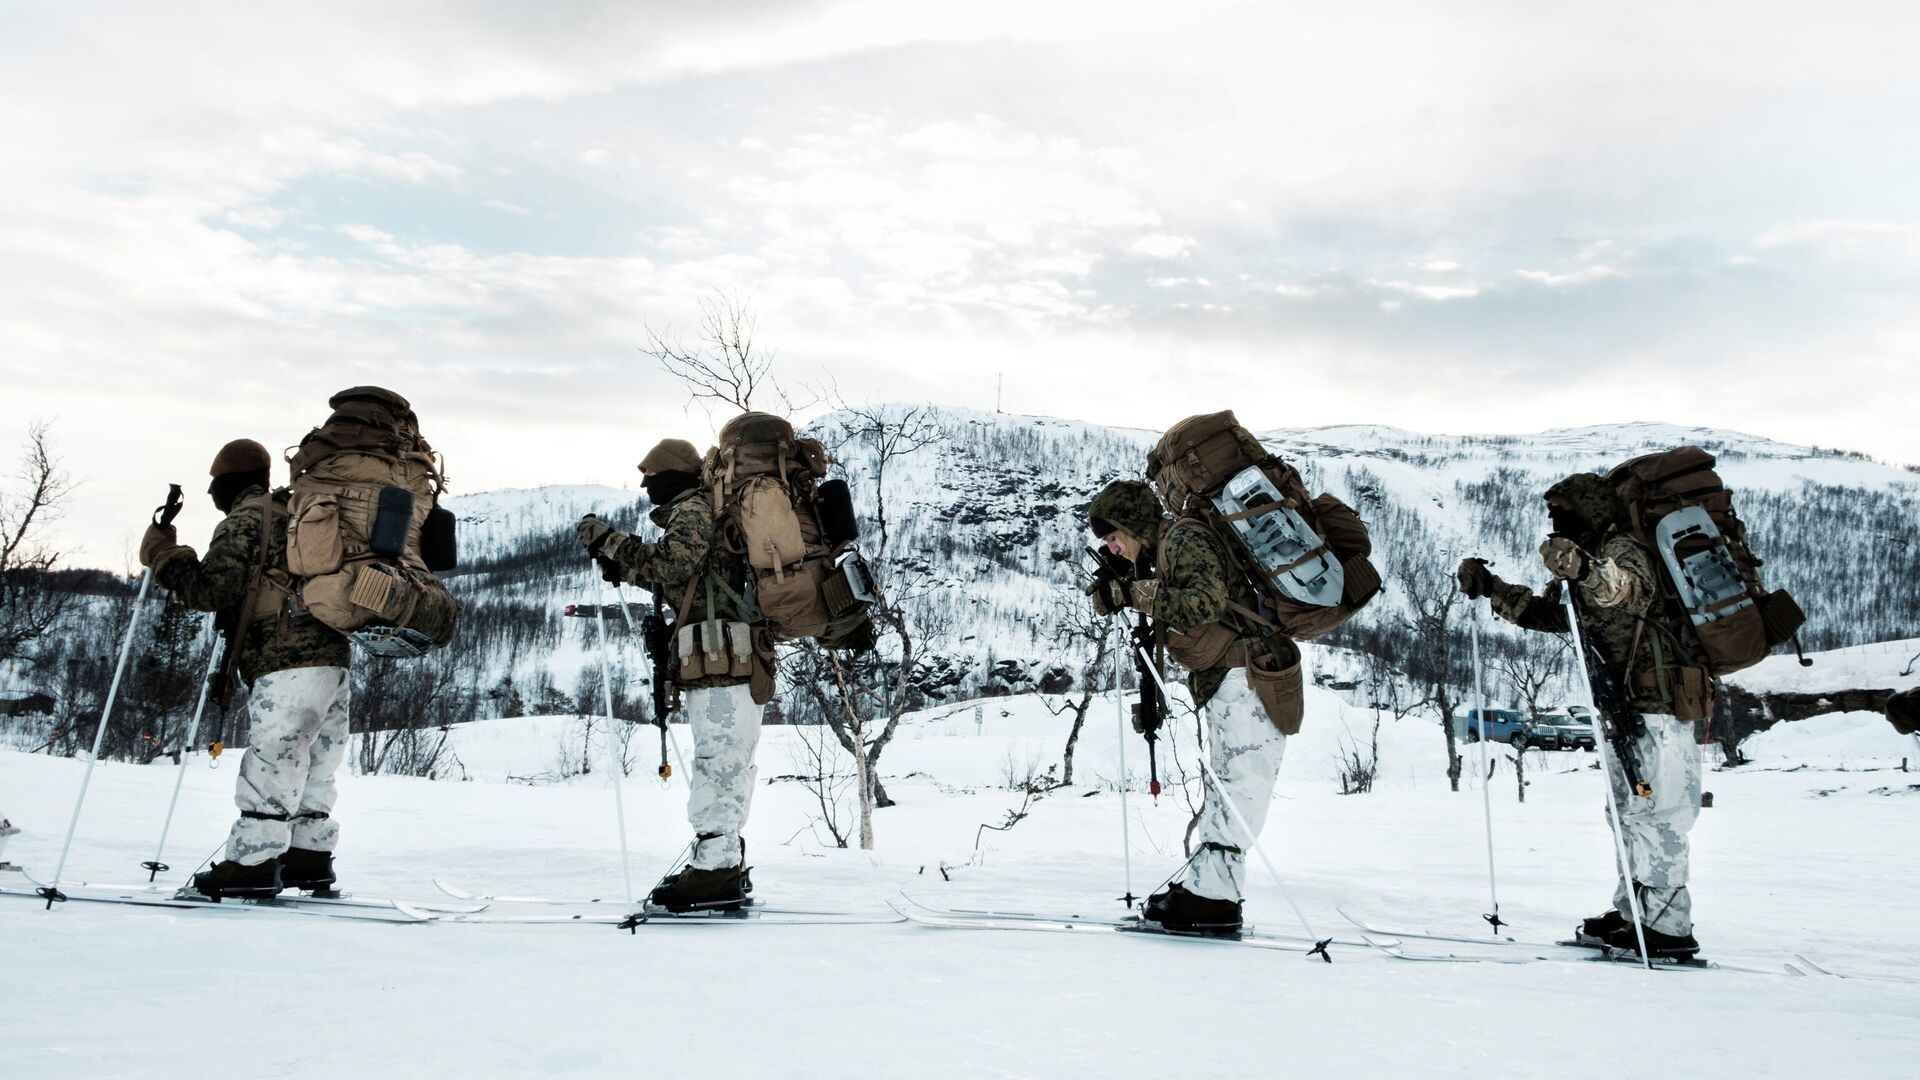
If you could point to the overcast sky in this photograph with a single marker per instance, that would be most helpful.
(1460, 218)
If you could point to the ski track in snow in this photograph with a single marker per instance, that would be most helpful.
(1816, 861)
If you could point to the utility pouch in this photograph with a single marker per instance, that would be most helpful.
(314, 543)
(1276, 682)
(1206, 648)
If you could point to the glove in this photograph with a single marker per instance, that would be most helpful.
(1111, 595)
(158, 541)
(1564, 558)
(594, 534)
(609, 570)
(1475, 579)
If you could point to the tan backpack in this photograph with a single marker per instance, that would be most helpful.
(1304, 554)
(795, 529)
(1677, 505)
(366, 487)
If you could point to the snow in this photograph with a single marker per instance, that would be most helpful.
(1814, 860)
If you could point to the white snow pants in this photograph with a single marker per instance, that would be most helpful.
(726, 731)
(1245, 749)
(298, 738)
(1655, 829)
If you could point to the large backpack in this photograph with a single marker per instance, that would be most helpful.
(1678, 507)
(795, 529)
(367, 530)
(1305, 555)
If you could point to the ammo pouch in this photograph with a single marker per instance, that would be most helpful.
(1204, 649)
(1689, 689)
(1276, 681)
(714, 649)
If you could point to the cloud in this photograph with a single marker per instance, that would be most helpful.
(1584, 276)
(1162, 246)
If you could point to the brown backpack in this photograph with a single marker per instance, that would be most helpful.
(365, 488)
(1305, 555)
(1677, 505)
(794, 528)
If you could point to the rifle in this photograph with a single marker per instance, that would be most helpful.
(1150, 711)
(1620, 722)
(657, 633)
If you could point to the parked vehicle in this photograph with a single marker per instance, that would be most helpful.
(1571, 731)
(1511, 726)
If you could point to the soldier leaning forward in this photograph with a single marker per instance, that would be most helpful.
(1185, 584)
(296, 667)
(1648, 656)
(723, 684)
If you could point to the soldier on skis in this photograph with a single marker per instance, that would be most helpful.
(1649, 659)
(1181, 580)
(297, 668)
(690, 568)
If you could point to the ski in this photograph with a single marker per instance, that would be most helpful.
(397, 913)
(627, 918)
(1045, 917)
(923, 916)
(625, 908)
(297, 899)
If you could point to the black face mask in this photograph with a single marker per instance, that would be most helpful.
(665, 486)
(227, 487)
(1568, 523)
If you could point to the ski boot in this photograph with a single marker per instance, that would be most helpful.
(1594, 932)
(1181, 912)
(692, 889)
(309, 871)
(230, 879)
(7, 829)
(1679, 949)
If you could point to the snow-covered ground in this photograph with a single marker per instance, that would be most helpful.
(1817, 860)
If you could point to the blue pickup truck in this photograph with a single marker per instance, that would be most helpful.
(1511, 726)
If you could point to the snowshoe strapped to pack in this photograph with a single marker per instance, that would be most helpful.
(366, 487)
(1304, 554)
(795, 529)
(1677, 505)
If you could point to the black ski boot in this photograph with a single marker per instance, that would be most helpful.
(230, 879)
(694, 889)
(1183, 912)
(309, 871)
(1660, 946)
(1594, 932)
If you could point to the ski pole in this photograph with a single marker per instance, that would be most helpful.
(1486, 779)
(1240, 821)
(164, 515)
(1120, 733)
(155, 867)
(666, 730)
(606, 699)
(1613, 802)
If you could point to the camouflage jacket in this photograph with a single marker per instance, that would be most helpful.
(218, 583)
(1646, 655)
(1193, 586)
(689, 550)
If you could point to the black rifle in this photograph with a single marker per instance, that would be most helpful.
(1150, 712)
(657, 633)
(1620, 722)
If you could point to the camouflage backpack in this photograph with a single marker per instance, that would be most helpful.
(367, 531)
(1676, 504)
(795, 529)
(1305, 555)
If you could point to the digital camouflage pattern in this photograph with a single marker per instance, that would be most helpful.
(297, 740)
(1245, 749)
(1131, 505)
(1655, 829)
(218, 583)
(1194, 584)
(726, 732)
(688, 549)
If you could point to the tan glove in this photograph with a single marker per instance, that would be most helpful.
(159, 542)
(1112, 595)
(1564, 558)
(594, 534)
(1475, 579)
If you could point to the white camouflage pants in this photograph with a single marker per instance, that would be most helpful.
(1655, 829)
(1245, 749)
(298, 738)
(726, 731)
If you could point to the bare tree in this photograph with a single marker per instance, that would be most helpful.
(888, 435)
(724, 364)
(29, 602)
(1076, 626)
(1531, 664)
(821, 772)
(1434, 662)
